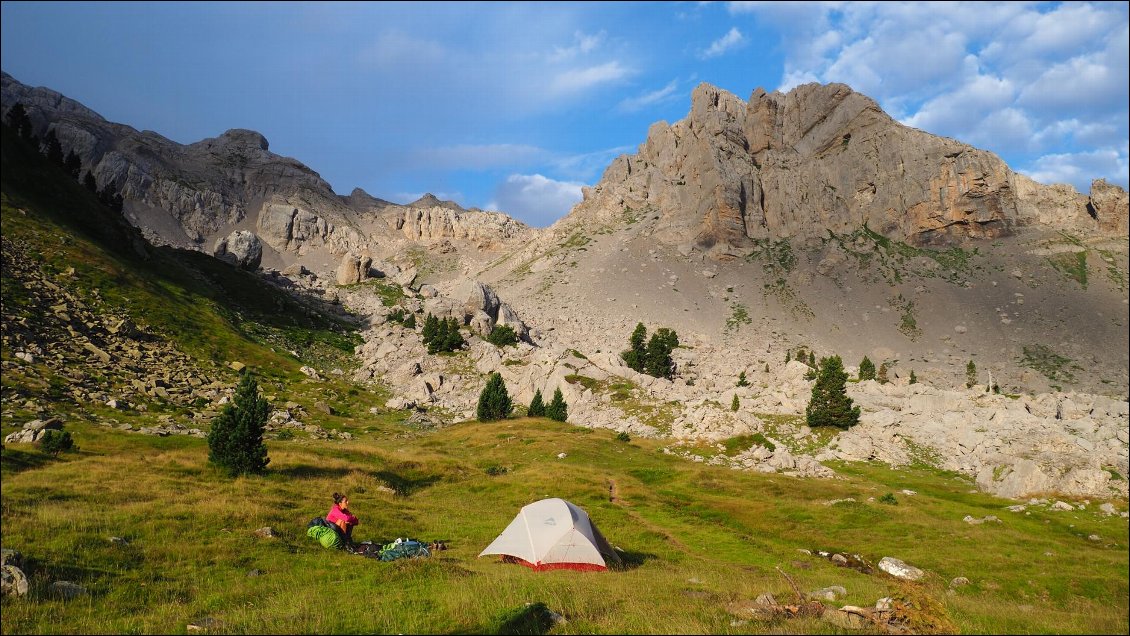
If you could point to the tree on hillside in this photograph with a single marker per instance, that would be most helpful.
(866, 369)
(53, 149)
(913, 378)
(89, 183)
(970, 375)
(734, 404)
(73, 164)
(494, 400)
(557, 410)
(658, 361)
(19, 121)
(55, 442)
(537, 406)
(502, 336)
(830, 405)
(409, 321)
(788, 356)
(742, 381)
(431, 326)
(881, 377)
(235, 442)
(636, 353)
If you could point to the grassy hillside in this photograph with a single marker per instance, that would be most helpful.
(700, 542)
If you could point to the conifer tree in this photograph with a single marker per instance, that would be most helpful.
(830, 405)
(19, 121)
(235, 442)
(636, 354)
(557, 410)
(742, 380)
(53, 149)
(537, 406)
(881, 377)
(431, 326)
(453, 340)
(913, 378)
(410, 321)
(788, 356)
(658, 361)
(734, 404)
(970, 375)
(73, 164)
(502, 336)
(866, 369)
(494, 400)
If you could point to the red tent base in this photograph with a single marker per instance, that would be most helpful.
(540, 567)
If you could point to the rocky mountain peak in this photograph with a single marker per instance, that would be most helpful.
(822, 158)
(430, 200)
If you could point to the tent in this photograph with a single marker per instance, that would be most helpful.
(553, 534)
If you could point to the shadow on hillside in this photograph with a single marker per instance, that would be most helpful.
(306, 471)
(405, 485)
(16, 461)
(631, 560)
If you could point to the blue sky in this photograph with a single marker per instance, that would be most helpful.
(514, 106)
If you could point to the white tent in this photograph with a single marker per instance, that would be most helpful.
(554, 534)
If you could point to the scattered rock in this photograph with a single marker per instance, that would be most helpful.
(204, 624)
(1062, 505)
(1094, 537)
(959, 581)
(13, 581)
(256, 572)
(266, 532)
(898, 569)
(830, 593)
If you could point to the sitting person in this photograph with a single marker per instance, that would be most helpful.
(340, 516)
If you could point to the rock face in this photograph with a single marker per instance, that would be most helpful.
(819, 158)
(240, 248)
(353, 269)
(430, 219)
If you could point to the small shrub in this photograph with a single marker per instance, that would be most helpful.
(734, 404)
(623, 437)
(284, 435)
(913, 378)
(889, 499)
(742, 381)
(55, 442)
(759, 438)
(502, 336)
(496, 470)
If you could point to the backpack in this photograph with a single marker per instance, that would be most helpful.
(404, 549)
(324, 533)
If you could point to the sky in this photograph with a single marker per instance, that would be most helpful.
(516, 106)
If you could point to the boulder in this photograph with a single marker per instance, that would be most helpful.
(240, 248)
(898, 569)
(13, 581)
(353, 269)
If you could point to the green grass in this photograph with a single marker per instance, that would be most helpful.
(1073, 265)
(1048, 363)
(739, 315)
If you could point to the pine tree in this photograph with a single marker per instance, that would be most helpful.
(830, 405)
(557, 410)
(881, 377)
(537, 406)
(73, 164)
(454, 340)
(788, 356)
(866, 369)
(741, 379)
(970, 375)
(410, 321)
(494, 400)
(658, 361)
(53, 149)
(19, 121)
(235, 442)
(766, 367)
(636, 355)
(55, 442)
(89, 183)
(734, 404)
(431, 326)
(913, 378)
(502, 336)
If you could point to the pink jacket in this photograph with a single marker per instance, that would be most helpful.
(336, 514)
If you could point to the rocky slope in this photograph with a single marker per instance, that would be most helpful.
(808, 220)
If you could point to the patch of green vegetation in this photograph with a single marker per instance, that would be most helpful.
(577, 354)
(1114, 474)
(735, 445)
(739, 315)
(576, 241)
(1113, 271)
(881, 258)
(788, 297)
(1073, 265)
(922, 456)
(1048, 363)
(390, 294)
(908, 325)
(774, 255)
(585, 381)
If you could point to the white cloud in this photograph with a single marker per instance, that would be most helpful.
(1080, 168)
(535, 199)
(476, 157)
(583, 45)
(726, 43)
(589, 165)
(577, 80)
(633, 104)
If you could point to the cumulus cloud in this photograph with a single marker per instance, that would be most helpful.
(1008, 77)
(1078, 169)
(639, 102)
(577, 80)
(535, 199)
(724, 44)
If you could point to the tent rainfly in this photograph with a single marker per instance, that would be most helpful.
(553, 534)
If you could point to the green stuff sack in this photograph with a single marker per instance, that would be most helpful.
(323, 535)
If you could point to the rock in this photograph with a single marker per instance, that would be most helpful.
(428, 291)
(959, 581)
(1094, 537)
(766, 599)
(237, 366)
(205, 624)
(310, 372)
(67, 590)
(13, 581)
(885, 604)
(11, 557)
(845, 619)
(118, 541)
(839, 559)
(240, 248)
(898, 569)
(256, 572)
(831, 593)
(400, 404)
(353, 269)
(266, 532)
(1062, 505)
(1108, 509)
(33, 431)
(323, 407)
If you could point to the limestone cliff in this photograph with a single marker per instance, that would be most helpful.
(823, 157)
